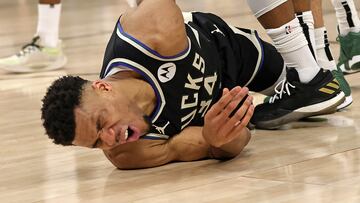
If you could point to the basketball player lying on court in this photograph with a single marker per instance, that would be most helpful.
(169, 91)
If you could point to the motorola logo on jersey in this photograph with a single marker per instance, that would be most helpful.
(166, 72)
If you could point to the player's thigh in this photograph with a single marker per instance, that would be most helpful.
(271, 71)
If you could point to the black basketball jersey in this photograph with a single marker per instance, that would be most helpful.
(187, 84)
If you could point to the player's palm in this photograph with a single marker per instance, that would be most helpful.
(221, 126)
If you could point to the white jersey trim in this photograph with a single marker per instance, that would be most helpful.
(155, 135)
(188, 17)
(148, 53)
(254, 39)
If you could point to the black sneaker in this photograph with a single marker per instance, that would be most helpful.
(294, 100)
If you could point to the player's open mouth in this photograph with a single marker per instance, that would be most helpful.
(132, 134)
(128, 133)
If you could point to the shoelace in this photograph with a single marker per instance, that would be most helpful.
(29, 48)
(285, 88)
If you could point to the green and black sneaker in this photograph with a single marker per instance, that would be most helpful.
(349, 60)
(344, 86)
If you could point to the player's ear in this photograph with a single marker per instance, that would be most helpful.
(101, 85)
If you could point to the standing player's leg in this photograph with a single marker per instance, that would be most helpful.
(323, 52)
(349, 35)
(308, 90)
(303, 13)
(44, 52)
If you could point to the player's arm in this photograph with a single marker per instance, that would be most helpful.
(221, 137)
(189, 145)
(224, 134)
(157, 23)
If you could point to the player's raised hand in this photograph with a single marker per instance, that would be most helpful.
(224, 122)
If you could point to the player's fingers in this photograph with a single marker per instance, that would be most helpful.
(225, 91)
(246, 119)
(238, 127)
(237, 117)
(223, 101)
(240, 113)
(231, 108)
(234, 104)
(216, 123)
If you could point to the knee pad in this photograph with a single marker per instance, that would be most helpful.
(260, 7)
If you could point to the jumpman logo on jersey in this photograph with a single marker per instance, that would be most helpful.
(161, 130)
(217, 30)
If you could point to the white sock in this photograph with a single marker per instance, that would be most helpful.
(291, 43)
(324, 56)
(48, 24)
(306, 20)
(347, 16)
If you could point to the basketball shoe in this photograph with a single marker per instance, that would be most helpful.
(33, 58)
(294, 100)
(349, 60)
(344, 86)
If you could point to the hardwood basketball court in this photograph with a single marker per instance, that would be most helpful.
(317, 160)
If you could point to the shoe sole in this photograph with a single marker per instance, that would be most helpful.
(37, 67)
(354, 65)
(349, 72)
(347, 102)
(323, 108)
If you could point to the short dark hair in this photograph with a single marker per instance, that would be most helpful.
(57, 112)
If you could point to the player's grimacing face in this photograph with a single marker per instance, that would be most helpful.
(107, 121)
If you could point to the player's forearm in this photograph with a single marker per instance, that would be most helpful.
(141, 154)
(233, 148)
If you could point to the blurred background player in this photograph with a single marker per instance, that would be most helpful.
(349, 35)
(45, 51)
(323, 53)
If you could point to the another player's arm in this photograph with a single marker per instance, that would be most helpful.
(220, 138)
